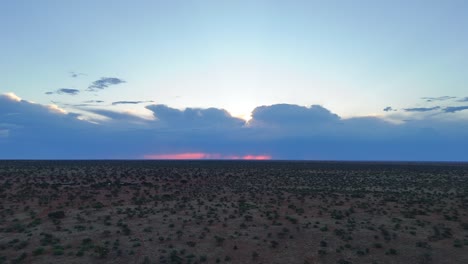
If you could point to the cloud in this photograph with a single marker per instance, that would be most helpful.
(422, 109)
(68, 91)
(76, 74)
(56, 108)
(15, 110)
(284, 131)
(440, 98)
(453, 109)
(83, 104)
(388, 109)
(462, 100)
(130, 102)
(12, 97)
(116, 116)
(93, 101)
(104, 82)
(37, 131)
(209, 118)
(291, 115)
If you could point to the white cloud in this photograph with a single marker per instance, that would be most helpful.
(12, 97)
(56, 109)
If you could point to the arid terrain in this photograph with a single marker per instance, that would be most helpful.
(232, 212)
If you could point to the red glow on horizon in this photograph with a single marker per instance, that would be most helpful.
(254, 157)
(204, 156)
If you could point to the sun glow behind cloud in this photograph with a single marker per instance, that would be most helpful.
(204, 156)
(12, 97)
(56, 109)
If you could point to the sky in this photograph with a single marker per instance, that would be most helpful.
(313, 80)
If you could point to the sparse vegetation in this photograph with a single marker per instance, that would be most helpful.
(232, 212)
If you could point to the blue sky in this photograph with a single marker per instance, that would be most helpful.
(389, 73)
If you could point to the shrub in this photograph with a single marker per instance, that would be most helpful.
(38, 251)
(57, 251)
(57, 215)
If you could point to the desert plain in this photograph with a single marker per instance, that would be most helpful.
(233, 212)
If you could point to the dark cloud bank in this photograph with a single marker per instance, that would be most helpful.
(34, 131)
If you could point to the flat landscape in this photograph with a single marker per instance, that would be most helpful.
(232, 212)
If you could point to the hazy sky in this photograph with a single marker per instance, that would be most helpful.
(395, 61)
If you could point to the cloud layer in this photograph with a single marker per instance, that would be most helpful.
(282, 131)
